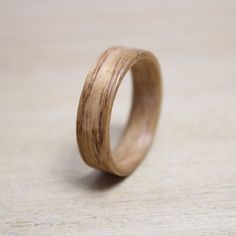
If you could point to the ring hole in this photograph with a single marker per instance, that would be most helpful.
(121, 110)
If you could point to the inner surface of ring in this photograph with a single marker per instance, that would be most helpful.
(121, 108)
(139, 130)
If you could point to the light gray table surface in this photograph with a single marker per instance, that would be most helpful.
(187, 183)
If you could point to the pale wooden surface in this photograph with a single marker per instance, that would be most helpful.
(187, 184)
(94, 116)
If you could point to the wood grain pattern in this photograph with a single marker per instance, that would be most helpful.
(94, 112)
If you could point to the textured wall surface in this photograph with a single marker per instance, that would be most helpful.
(186, 185)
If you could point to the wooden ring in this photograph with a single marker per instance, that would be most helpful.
(95, 106)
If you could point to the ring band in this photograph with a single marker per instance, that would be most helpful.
(95, 106)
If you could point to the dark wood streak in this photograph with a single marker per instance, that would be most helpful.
(105, 95)
(97, 141)
(85, 95)
(87, 91)
(99, 138)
